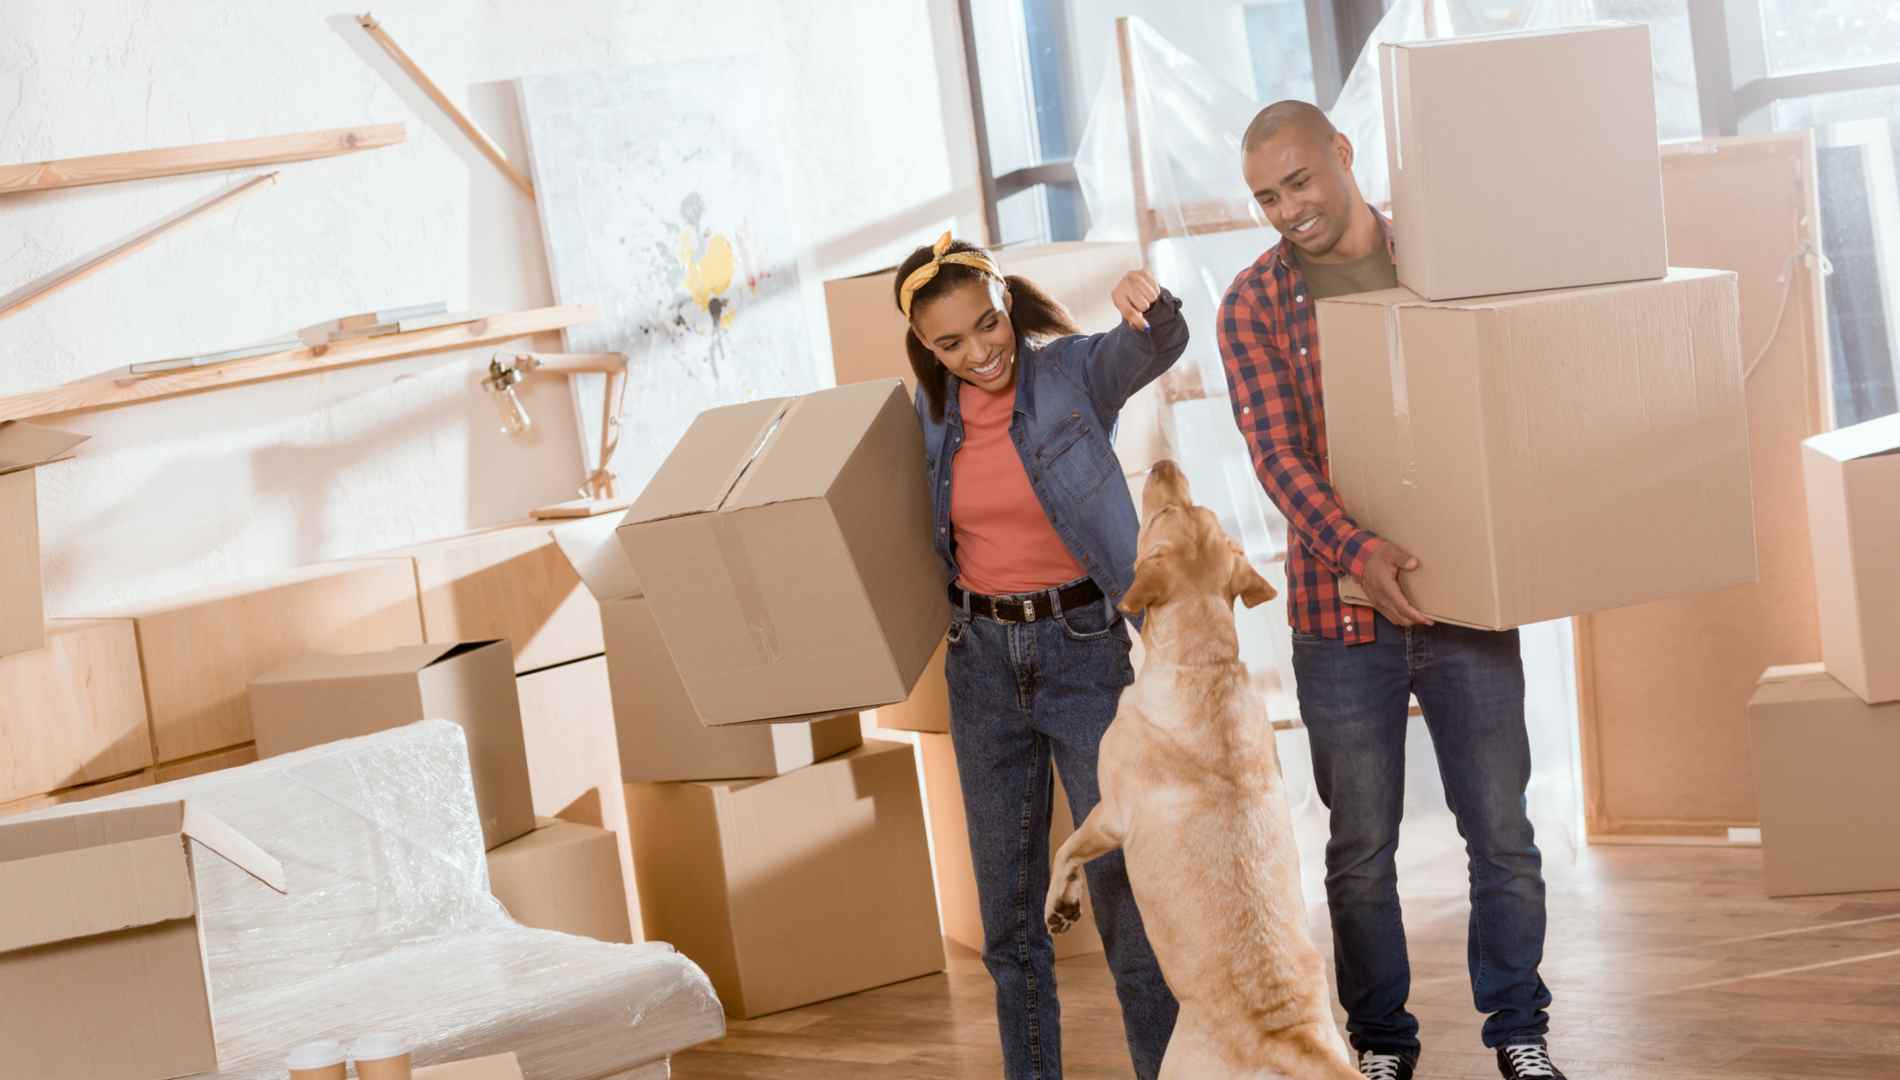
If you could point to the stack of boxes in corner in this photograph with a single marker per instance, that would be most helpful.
(1825, 737)
(774, 578)
(1553, 452)
(867, 343)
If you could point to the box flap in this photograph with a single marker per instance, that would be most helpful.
(595, 553)
(24, 445)
(814, 441)
(234, 847)
(84, 891)
(708, 460)
(1874, 438)
(317, 667)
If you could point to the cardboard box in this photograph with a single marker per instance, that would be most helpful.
(956, 875)
(1523, 161)
(198, 652)
(659, 734)
(80, 793)
(496, 1067)
(785, 549)
(1853, 485)
(24, 448)
(563, 876)
(83, 955)
(795, 889)
(73, 711)
(567, 727)
(1545, 454)
(867, 330)
(1824, 773)
(323, 698)
(507, 582)
(216, 761)
(928, 707)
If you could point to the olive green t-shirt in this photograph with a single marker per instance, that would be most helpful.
(1368, 274)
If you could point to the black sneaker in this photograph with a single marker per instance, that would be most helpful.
(1385, 1065)
(1527, 1061)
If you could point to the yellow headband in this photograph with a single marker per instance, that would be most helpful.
(976, 260)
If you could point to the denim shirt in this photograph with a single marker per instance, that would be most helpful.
(1069, 395)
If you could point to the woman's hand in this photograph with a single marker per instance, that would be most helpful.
(1133, 295)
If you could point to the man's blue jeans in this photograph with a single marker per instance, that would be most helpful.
(1353, 699)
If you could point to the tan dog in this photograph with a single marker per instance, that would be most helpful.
(1191, 793)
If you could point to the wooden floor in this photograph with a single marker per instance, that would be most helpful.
(1666, 964)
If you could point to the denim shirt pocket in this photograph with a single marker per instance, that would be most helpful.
(1072, 459)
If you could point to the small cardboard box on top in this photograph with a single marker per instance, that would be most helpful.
(1853, 485)
(1545, 454)
(102, 957)
(660, 735)
(24, 448)
(785, 547)
(563, 876)
(323, 698)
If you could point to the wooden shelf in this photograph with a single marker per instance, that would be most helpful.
(196, 158)
(116, 390)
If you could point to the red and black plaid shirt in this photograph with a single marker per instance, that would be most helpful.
(1269, 344)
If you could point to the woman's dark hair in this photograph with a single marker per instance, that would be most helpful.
(1033, 314)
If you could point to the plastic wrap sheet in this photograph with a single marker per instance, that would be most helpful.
(389, 924)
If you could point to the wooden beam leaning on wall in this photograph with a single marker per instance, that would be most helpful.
(196, 158)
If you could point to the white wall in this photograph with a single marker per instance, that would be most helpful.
(872, 109)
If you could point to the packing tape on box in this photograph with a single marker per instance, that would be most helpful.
(740, 573)
(1401, 398)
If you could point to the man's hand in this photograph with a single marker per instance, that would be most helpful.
(1381, 582)
(1133, 295)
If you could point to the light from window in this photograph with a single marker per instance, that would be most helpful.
(1814, 35)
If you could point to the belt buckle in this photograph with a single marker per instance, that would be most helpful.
(1029, 609)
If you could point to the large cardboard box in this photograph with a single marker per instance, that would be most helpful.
(1853, 485)
(216, 761)
(507, 582)
(785, 549)
(867, 330)
(74, 711)
(103, 980)
(142, 779)
(322, 698)
(1545, 454)
(494, 1067)
(1824, 774)
(24, 448)
(198, 652)
(794, 889)
(1523, 161)
(928, 707)
(563, 876)
(658, 729)
(956, 874)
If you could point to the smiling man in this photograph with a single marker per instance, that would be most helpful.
(1355, 668)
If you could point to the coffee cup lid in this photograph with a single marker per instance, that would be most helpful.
(315, 1055)
(378, 1046)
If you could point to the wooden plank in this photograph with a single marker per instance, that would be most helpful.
(110, 392)
(196, 158)
(475, 135)
(33, 292)
(1664, 686)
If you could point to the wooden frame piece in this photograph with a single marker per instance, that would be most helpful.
(600, 483)
(427, 85)
(108, 392)
(196, 158)
(33, 292)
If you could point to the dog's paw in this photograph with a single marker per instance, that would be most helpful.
(1062, 915)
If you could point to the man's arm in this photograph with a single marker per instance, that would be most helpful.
(1265, 396)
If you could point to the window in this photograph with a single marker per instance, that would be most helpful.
(1816, 35)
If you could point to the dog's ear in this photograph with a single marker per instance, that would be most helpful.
(1244, 581)
(1153, 580)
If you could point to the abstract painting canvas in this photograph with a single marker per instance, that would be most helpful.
(661, 195)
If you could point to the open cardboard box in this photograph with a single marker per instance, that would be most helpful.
(102, 958)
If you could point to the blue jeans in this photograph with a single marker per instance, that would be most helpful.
(1020, 693)
(1470, 684)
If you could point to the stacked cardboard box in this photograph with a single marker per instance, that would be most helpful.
(563, 876)
(1825, 736)
(74, 711)
(1543, 453)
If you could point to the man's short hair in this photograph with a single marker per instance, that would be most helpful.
(1280, 116)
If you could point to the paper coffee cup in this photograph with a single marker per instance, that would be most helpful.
(381, 1057)
(322, 1060)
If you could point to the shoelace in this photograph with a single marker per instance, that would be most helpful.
(1530, 1060)
(1377, 1066)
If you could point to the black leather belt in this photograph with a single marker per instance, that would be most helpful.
(1029, 608)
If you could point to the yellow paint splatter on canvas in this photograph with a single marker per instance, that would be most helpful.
(708, 275)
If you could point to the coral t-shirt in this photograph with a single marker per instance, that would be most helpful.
(1005, 544)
